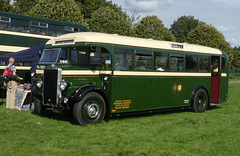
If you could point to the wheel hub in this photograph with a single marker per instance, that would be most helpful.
(201, 102)
(93, 110)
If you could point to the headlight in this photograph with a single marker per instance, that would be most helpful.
(105, 78)
(39, 84)
(63, 85)
(40, 67)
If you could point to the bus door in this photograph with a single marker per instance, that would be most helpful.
(215, 87)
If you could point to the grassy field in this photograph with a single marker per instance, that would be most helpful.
(215, 132)
(236, 78)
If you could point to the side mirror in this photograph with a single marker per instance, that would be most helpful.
(97, 50)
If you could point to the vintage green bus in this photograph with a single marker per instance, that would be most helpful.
(98, 75)
(19, 32)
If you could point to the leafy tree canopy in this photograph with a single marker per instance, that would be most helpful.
(182, 26)
(89, 6)
(61, 10)
(209, 36)
(236, 58)
(108, 20)
(152, 27)
(23, 6)
(5, 6)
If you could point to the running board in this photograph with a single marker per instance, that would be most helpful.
(215, 104)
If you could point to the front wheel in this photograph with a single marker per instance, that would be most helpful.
(38, 107)
(90, 110)
(200, 101)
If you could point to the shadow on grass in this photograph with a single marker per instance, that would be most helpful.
(65, 116)
(68, 116)
(151, 113)
(159, 112)
(1, 103)
(212, 108)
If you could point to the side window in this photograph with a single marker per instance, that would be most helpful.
(39, 28)
(96, 57)
(80, 55)
(71, 29)
(177, 62)
(55, 30)
(191, 63)
(143, 60)
(123, 59)
(73, 56)
(63, 57)
(204, 62)
(88, 55)
(20, 25)
(223, 65)
(161, 61)
(215, 62)
(5, 23)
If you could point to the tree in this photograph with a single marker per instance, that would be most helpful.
(133, 18)
(61, 10)
(209, 36)
(107, 20)
(23, 6)
(152, 27)
(89, 6)
(236, 58)
(5, 6)
(182, 26)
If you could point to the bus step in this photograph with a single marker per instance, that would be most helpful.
(214, 104)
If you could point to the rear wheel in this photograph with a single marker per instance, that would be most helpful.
(90, 110)
(200, 101)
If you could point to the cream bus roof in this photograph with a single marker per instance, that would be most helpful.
(92, 37)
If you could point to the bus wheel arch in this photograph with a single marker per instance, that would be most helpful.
(90, 109)
(200, 99)
(82, 92)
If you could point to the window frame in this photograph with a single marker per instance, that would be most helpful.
(129, 52)
(177, 55)
(38, 24)
(154, 61)
(223, 65)
(186, 65)
(143, 53)
(209, 63)
(9, 19)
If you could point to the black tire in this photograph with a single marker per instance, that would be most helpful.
(200, 101)
(38, 107)
(90, 110)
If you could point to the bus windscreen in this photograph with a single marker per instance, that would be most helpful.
(49, 56)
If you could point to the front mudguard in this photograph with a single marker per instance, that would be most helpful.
(83, 91)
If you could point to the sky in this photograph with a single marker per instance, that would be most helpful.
(222, 14)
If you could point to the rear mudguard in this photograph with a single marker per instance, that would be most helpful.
(201, 86)
(81, 92)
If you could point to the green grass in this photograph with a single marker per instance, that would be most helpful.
(215, 132)
(236, 78)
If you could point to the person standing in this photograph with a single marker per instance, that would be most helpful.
(11, 85)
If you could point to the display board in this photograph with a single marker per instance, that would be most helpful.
(20, 98)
